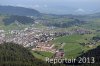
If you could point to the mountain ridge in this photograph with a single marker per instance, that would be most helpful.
(21, 11)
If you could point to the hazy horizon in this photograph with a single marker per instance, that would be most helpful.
(58, 6)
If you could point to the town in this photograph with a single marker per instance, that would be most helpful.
(38, 39)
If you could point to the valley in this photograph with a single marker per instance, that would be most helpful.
(43, 39)
(53, 36)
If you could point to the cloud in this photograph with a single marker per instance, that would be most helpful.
(80, 10)
(45, 5)
(36, 6)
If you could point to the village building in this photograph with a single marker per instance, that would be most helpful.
(59, 53)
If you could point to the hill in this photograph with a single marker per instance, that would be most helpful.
(94, 53)
(11, 10)
(10, 22)
(20, 19)
(13, 54)
(95, 15)
(16, 55)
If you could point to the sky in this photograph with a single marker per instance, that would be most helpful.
(57, 6)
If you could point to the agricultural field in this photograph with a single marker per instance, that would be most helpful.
(72, 46)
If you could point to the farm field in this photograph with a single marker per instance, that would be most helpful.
(72, 46)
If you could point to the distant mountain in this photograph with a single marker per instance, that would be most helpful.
(12, 10)
(95, 15)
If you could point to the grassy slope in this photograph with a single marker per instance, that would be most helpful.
(94, 24)
(42, 54)
(72, 47)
